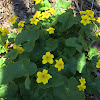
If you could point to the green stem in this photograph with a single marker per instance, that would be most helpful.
(96, 26)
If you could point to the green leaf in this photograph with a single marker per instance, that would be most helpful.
(70, 68)
(3, 91)
(27, 36)
(92, 52)
(12, 91)
(81, 62)
(51, 44)
(83, 42)
(4, 39)
(12, 54)
(66, 21)
(92, 88)
(18, 69)
(71, 85)
(11, 37)
(1, 62)
(72, 42)
(37, 52)
(97, 83)
(62, 4)
(78, 47)
(88, 29)
(46, 3)
(27, 83)
(28, 46)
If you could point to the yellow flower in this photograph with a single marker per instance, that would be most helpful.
(98, 19)
(82, 81)
(19, 48)
(38, 1)
(48, 57)
(21, 23)
(98, 64)
(51, 30)
(82, 12)
(85, 20)
(59, 64)
(90, 13)
(46, 14)
(52, 11)
(37, 14)
(16, 46)
(6, 45)
(19, 29)
(41, 18)
(34, 21)
(99, 34)
(42, 2)
(92, 19)
(96, 35)
(43, 77)
(0, 29)
(13, 19)
(5, 31)
(81, 87)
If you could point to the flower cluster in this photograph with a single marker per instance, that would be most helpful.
(43, 77)
(42, 16)
(87, 17)
(20, 24)
(98, 64)
(48, 58)
(82, 86)
(19, 48)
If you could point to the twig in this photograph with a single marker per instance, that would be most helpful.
(82, 4)
(96, 6)
(92, 4)
(76, 2)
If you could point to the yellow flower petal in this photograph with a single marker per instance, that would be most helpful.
(45, 71)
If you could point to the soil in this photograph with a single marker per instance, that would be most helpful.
(25, 8)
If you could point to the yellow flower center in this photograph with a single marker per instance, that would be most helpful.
(43, 76)
(60, 64)
(47, 57)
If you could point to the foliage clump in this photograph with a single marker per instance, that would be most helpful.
(51, 55)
